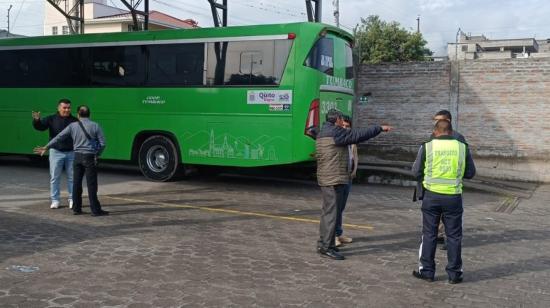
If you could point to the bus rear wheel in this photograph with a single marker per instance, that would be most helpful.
(158, 158)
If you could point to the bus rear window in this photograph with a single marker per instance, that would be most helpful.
(349, 62)
(321, 56)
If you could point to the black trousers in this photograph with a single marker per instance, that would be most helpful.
(448, 208)
(333, 201)
(85, 164)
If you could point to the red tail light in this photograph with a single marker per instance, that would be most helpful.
(312, 121)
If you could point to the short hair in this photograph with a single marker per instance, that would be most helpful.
(64, 101)
(83, 111)
(333, 115)
(445, 113)
(346, 118)
(443, 127)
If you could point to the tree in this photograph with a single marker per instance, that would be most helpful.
(381, 41)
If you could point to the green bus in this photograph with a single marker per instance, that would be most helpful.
(242, 96)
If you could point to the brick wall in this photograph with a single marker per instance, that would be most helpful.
(501, 106)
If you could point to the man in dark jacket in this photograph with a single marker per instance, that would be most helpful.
(445, 115)
(333, 173)
(440, 166)
(61, 156)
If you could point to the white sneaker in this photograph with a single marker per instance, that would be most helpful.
(337, 242)
(55, 205)
(344, 239)
(70, 203)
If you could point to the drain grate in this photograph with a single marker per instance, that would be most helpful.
(508, 205)
(23, 268)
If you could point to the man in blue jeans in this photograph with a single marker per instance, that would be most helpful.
(89, 143)
(61, 155)
(353, 163)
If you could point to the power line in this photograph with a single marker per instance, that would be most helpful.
(279, 12)
(199, 13)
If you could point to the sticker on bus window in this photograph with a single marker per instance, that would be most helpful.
(269, 97)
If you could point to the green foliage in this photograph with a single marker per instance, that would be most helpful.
(380, 41)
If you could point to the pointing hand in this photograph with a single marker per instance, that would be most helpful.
(386, 128)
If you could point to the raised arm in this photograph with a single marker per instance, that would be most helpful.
(40, 123)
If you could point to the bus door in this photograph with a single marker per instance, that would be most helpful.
(336, 86)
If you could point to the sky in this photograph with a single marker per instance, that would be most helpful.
(439, 19)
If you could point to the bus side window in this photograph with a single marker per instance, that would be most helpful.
(176, 64)
(118, 65)
(321, 56)
(55, 67)
(248, 62)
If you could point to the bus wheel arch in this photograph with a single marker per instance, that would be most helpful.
(158, 155)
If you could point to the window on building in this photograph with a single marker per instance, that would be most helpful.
(54, 30)
(176, 64)
(247, 62)
(65, 30)
(321, 56)
(464, 48)
(118, 66)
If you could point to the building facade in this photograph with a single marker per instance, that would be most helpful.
(471, 47)
(101, 18)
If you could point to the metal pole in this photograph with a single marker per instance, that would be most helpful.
(224, 13)
(318, 10)
(81, 4)
(337, 12)
(146, 25)
(9, 9)
(418, 24)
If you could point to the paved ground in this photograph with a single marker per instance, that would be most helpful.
(234, 242)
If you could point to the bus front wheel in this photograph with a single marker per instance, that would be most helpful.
(158, 158)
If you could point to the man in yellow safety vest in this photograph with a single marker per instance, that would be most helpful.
(440, 165)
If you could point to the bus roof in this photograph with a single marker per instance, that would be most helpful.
(234, 31)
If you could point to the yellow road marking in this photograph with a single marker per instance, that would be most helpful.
(218, 210)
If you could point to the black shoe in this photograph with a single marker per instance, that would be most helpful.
(456, 280)
(333, 248)
(100, 213)
(77, 212)
(419, 275)
(331, 253)
(440, 240)
(444, 246)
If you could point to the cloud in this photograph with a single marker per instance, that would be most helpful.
(435, 5)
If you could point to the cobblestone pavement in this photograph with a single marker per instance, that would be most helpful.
(240, 242)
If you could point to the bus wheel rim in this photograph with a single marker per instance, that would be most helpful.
(157, 158)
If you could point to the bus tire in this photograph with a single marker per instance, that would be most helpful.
(158, 158)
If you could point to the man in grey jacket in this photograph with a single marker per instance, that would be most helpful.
(333, 173)
(88, 144)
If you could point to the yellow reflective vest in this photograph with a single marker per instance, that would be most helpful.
(444, 166)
